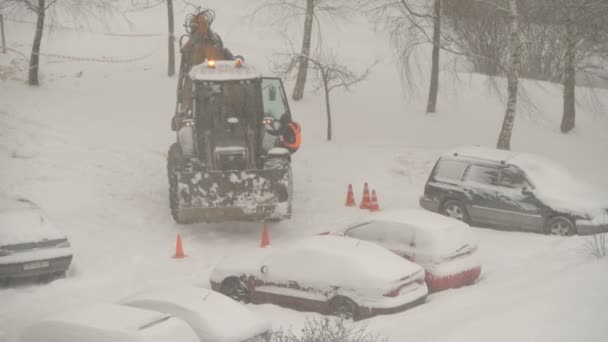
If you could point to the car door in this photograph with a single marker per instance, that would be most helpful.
(394, 236)
(283, 279)
(480, 186)
(519, 208)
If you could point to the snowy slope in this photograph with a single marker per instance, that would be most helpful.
(89, 147)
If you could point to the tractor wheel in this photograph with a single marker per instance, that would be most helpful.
(284, 193)
(175, 160)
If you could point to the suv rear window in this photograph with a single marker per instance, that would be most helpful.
(448, 169)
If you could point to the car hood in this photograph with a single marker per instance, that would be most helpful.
(210, 314)
(26, 226)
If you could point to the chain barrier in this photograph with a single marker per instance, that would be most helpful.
(111, 34)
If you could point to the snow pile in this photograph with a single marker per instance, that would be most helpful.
(210, 314)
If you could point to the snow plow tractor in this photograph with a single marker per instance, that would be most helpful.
(235, 138)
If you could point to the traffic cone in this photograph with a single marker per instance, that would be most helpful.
(179, 248)
(366, 199)
(265, 237)
(373, 205)
(350, 197)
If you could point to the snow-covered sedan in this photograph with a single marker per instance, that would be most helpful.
(109, 323)
(444, 247)
(210, 314)
(514, 191)
(30, 246)
(331, 275)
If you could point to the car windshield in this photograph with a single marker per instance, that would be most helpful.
(218, 101)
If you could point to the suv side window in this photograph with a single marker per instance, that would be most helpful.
(448, 169)
(482, 174)
(512, 177)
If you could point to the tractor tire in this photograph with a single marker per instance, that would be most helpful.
(285, 194)
(175, 160)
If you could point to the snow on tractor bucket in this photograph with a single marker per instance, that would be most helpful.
(252, 195)
(232, 157)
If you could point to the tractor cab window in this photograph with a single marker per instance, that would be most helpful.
(274, 100)
(219, 101)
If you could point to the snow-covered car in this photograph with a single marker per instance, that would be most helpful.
(444, 247)
(106, 322)
(30, 246)
(210, 314)
(331, 275)
(515, 191)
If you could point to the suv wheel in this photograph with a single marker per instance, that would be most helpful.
(455, 209)
(560, 226)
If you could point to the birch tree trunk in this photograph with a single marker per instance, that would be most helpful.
(504, 139)
(569, 115)
(432, 101)
(34, 59)
(327, 103)
(171, 66)
(298, 91)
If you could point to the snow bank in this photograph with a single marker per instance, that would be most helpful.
(211, 314)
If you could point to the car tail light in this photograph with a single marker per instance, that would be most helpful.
(324, 233)
(393, 293)
(427, 189)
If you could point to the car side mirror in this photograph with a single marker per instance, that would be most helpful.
(264, 269)
(526, 191)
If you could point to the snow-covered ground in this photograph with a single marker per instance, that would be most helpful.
(89, 146)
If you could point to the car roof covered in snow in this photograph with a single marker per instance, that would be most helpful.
(223, 71)
(109, 322)
(22, 221)
(482, 153)
(370, 259)
(433, 232)
(209, 313)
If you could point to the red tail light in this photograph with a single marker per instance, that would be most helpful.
(427, 189)
(393, 293)
(324, 233)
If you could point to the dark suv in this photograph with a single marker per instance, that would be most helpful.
(514, 191)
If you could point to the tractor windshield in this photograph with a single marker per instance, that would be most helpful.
(219, 101)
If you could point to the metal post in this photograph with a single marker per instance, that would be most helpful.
(2, 34)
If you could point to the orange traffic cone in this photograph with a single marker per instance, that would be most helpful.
(373, 205)
(265, 237)
(366, 199)
(350, 197)
(179, 249)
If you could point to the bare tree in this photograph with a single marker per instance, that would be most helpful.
(2, 36)
(171, 22)
(147, 4)
(77, 8)
(413, 23)
(310, 10)
(504, 139)
(327, 329)
(330, 75)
